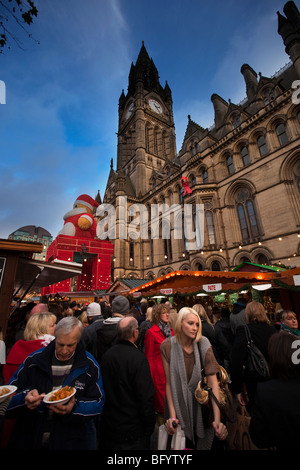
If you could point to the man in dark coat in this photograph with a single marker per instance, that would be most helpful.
(128, 417)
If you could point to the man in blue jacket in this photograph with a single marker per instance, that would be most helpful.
(70, 426)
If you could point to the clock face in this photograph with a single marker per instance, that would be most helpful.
(129, 110)
(155, 106)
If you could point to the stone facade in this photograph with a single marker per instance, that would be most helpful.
(244, 170)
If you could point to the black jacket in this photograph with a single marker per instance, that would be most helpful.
(260, 334)
(275, 420)
(217, 340)
(106, 336)
(128, 413)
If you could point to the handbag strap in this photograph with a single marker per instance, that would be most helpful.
(248, 335)
(213, 396)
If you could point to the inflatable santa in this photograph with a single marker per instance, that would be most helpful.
(79, 222)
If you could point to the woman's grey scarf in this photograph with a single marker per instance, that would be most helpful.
(188, 410)
(164, 328)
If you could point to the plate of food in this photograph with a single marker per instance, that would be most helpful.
(6, 391)
(61, 395)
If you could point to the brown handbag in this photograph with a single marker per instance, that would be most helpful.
(204, 393)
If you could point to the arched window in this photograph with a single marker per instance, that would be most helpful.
(131, 254)
(245, 156)
(198, 267)
(216, 266)
(180, 194)
(268, 95)
(147, 139)
(246, 215)
(192, 180)
(230, 165)
(204, 176)
(262, 146)
(281, 134)
(235, 120)
(210, 228)
(156, 142)
(262, 259)
(297, 176)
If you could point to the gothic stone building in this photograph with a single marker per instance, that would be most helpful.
(244, 170)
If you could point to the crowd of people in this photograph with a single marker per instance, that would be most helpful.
(136, 368)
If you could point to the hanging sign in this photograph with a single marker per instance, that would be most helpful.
(136, 294)
(212, 287)
(166, 291)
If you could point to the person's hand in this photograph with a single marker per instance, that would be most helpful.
(169, 425)
(63, 409)
(220, 430)
(33, 399)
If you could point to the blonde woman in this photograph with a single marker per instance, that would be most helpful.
(183, 357)
(40, 326)
(39, 332)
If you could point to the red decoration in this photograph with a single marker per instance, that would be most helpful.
(95, 257)
(79, 222)
(185, 184)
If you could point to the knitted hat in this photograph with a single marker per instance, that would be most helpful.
(120, 305)
(93, 310)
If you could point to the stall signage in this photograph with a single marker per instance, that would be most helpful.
(136, 294)
(2, 268)
(212, 287)
(166, 291)
(296, 279)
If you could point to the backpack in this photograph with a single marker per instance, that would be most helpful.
(257, 368)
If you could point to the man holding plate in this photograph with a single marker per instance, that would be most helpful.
(70, 422)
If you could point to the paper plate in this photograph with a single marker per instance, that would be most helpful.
(47, 397)
(6, 391)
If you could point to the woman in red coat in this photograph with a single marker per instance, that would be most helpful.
(154, 337)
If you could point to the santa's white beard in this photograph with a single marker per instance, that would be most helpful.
(78, 210)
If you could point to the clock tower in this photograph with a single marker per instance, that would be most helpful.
(146, 132)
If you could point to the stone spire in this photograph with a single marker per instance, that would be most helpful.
(289, 30)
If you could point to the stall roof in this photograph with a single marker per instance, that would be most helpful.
(247, 266)
(193, 281)
(34, 274)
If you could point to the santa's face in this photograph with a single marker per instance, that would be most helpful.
(77, 209)
(86, 209)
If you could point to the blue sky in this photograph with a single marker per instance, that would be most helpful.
(58, 126)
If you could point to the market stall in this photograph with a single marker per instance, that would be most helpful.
(190, 285)
(20, 273)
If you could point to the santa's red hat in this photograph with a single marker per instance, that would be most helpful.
(87, 201)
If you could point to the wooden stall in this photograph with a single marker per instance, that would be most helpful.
(20, 273)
